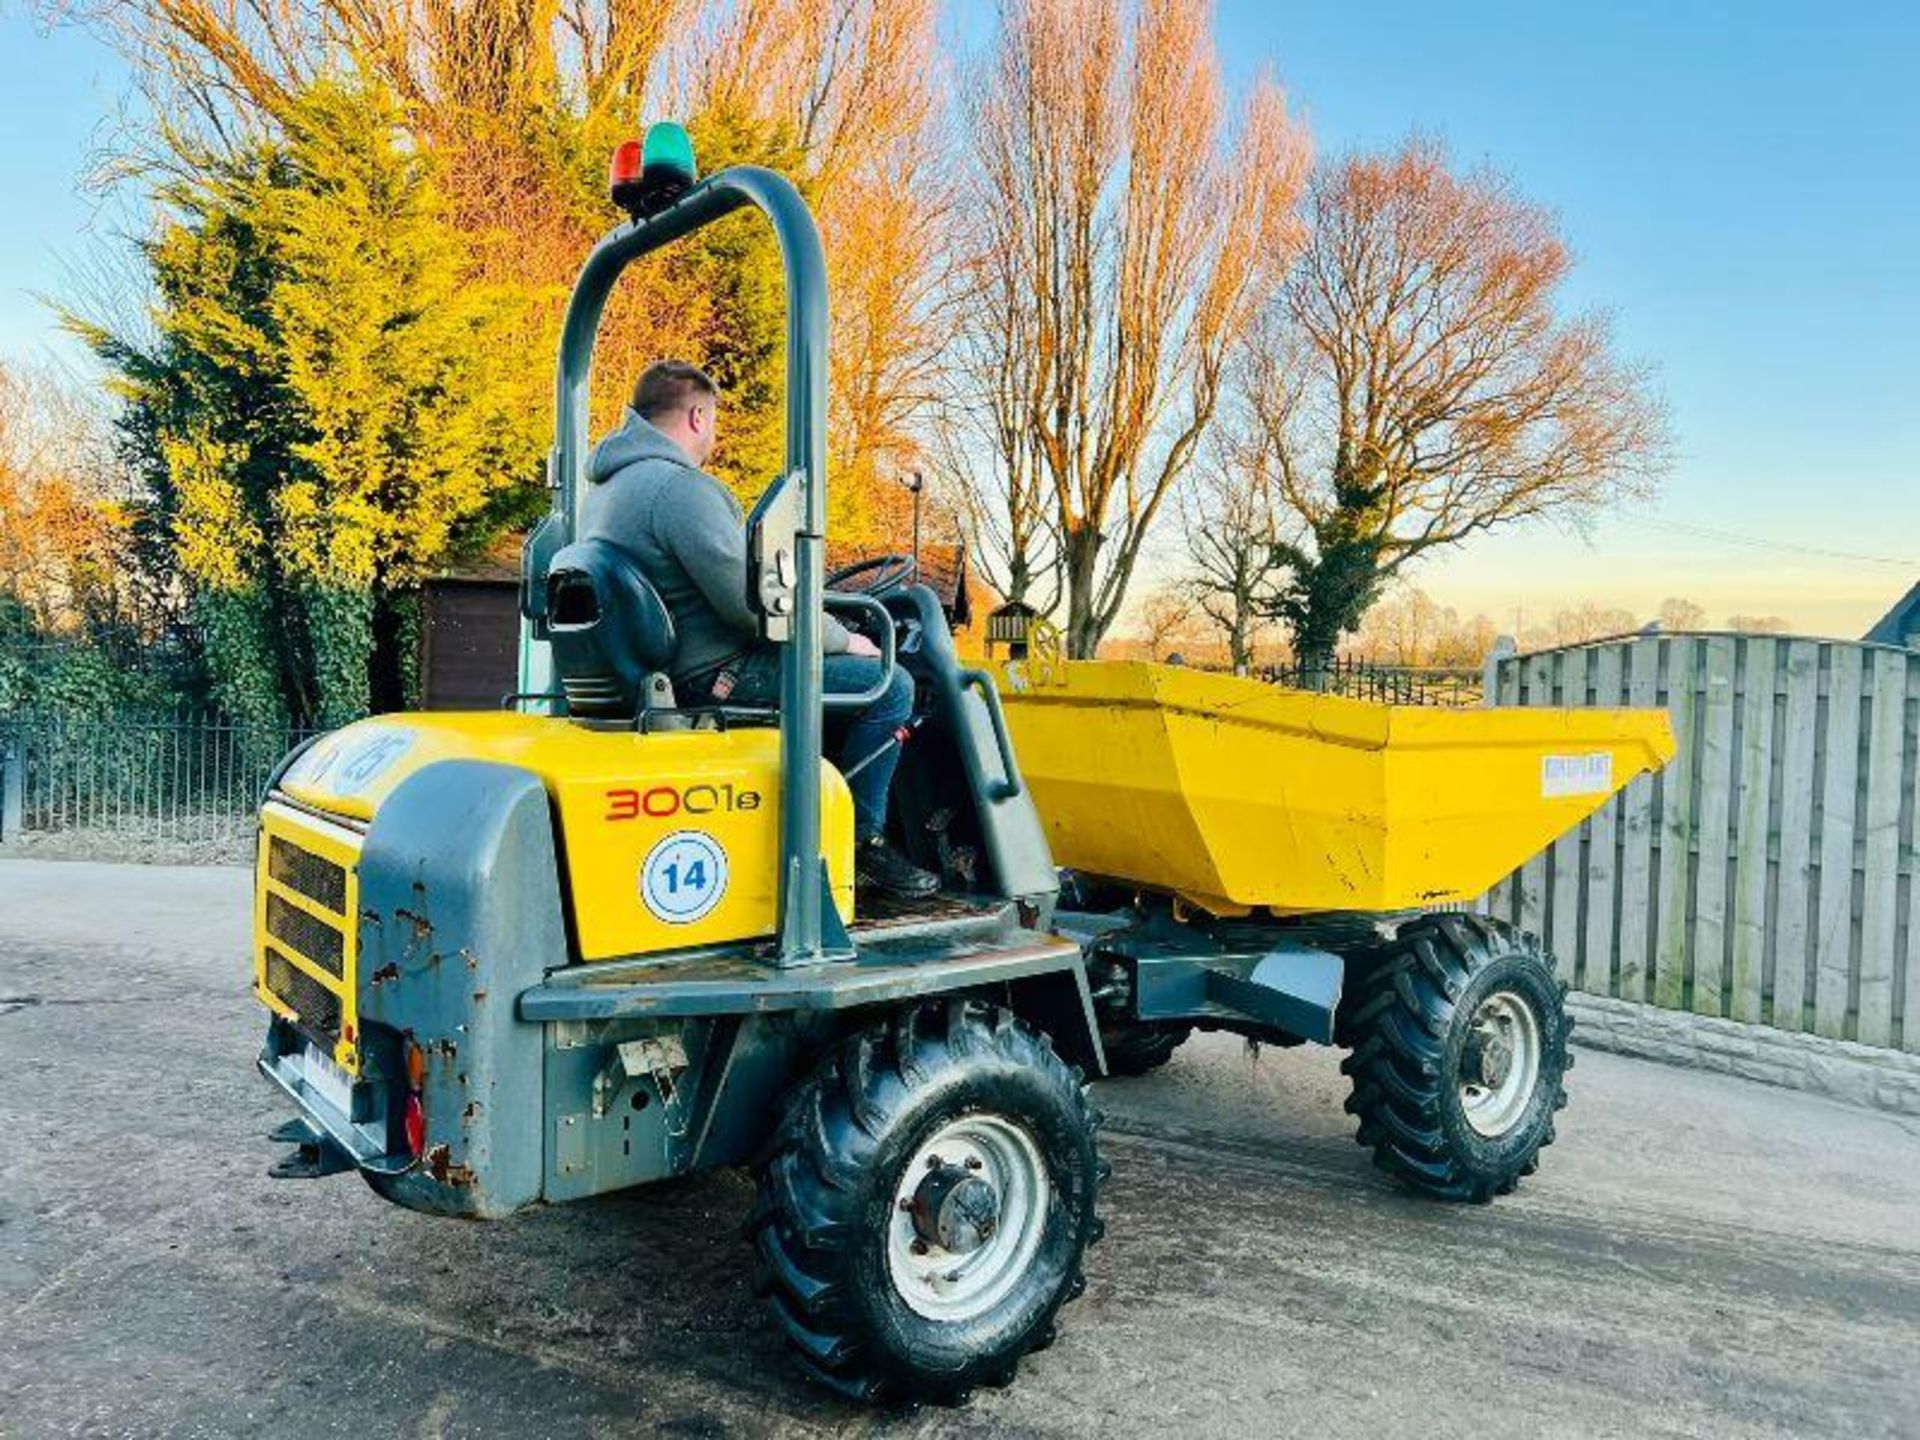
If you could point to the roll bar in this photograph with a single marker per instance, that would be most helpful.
(810, 928)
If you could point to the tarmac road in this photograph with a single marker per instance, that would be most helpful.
(1698, 1255)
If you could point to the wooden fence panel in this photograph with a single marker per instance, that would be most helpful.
(1794, 904)
(1598, 952)
(1836, 821)
(1755, 835)
(1907, 994)
(1638, 809)
(1668, 982)
(1884, 789)
(1710, 840)
(1772, 871)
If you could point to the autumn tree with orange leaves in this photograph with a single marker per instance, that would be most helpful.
(521, 105)
(1416, 384)
(63, 532)
(1125, 230)
(79, 614)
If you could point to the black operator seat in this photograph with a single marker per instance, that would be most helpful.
(613, 638)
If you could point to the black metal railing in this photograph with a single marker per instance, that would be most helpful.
(1384, 684)
(190, 778)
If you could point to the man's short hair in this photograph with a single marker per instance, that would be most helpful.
(669, 386)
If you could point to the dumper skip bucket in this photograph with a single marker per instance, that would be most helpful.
(1237, 795)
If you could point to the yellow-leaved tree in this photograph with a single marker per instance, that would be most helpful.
(523, 104)
(327, 402)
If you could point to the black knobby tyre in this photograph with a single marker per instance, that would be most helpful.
(828, 1223)
(1136, 1049)
(1441, 1020)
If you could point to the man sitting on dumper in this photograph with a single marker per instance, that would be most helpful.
(649, 495)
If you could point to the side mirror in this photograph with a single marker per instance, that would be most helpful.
(773, 567)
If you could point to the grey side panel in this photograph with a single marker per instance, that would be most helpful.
(625, 1102)
(735, 1035)
(460, 911)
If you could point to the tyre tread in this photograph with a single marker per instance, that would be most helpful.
(805, 1224)
(1402, 1003)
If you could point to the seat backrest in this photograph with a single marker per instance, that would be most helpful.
(609, 629)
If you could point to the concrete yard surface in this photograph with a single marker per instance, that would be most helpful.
(1698, 1255)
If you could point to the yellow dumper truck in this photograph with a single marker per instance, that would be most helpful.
(598, 938)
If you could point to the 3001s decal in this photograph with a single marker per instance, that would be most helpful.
(665, 801)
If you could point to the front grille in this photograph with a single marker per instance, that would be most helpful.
(318, 1008)
(304, 941)
(312, 938)
(313, 876)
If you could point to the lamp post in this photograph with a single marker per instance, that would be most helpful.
(916, 484)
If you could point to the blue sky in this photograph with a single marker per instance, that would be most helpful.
(1741, 185)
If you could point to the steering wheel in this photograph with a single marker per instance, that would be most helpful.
(893, 571)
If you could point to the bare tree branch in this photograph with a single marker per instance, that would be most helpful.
(1124, 238)
(1415, 385)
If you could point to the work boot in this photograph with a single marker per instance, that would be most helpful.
(878, 866)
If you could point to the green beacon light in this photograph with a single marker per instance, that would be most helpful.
(648, 176)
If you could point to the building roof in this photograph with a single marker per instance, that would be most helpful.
(498, 563)
(1900, 625)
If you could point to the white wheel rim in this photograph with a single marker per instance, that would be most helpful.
(1494, 1104)
(942, 1284)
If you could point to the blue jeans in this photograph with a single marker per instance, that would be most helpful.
(852, 737)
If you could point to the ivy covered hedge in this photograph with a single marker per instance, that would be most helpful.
(325, 410)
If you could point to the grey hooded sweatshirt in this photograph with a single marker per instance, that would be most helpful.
(685, 531)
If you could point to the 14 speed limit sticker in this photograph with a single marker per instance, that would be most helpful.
(684, 877)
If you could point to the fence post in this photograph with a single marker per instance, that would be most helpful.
(13, 775)
(1504, 648)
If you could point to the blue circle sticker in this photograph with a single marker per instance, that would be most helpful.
(684, 877)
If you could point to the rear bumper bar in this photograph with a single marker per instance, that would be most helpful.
(363, 1144)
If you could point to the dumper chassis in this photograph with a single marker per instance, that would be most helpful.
(599, 939)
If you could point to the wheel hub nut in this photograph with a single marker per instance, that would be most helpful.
(955, 1209)
(1490, 1057)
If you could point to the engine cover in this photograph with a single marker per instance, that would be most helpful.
(668, 840)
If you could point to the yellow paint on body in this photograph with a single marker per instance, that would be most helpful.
(618, 795)
(1237, 794)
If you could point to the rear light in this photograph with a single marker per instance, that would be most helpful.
(416, 1113)
(416, 1127)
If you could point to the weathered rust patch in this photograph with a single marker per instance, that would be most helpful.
(386, 972)
(440, 1165)
(422, 926)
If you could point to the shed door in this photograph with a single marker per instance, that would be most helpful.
(469, 644)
